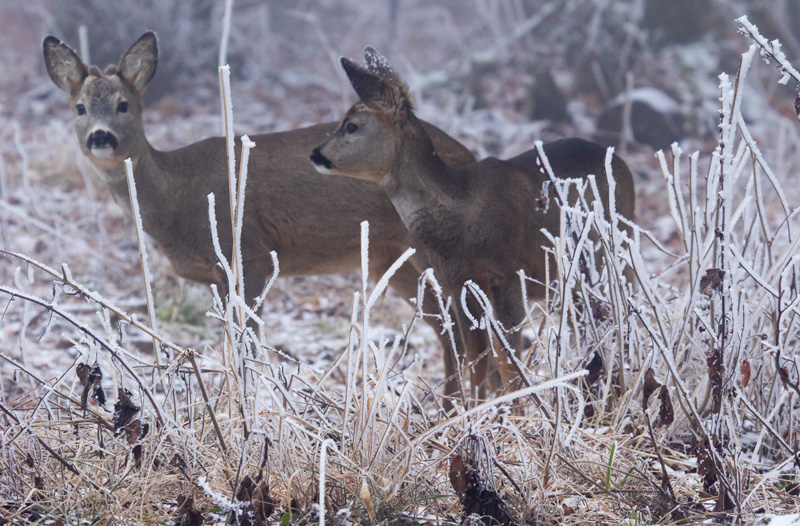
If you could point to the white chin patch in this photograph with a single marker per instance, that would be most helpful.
(323, 169)
(102, 153)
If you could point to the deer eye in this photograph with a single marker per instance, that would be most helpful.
(81, 109)
(122, 107)
(350, 128)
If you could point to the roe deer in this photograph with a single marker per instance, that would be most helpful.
(313, 225)
(478, 222)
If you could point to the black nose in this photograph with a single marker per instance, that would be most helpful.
(319, 159)
(101, 139)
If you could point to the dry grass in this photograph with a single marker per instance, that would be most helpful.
(713, 312)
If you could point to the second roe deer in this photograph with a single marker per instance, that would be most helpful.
(313, 226)
(478, 222)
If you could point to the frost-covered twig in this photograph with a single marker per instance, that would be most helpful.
(95, 337)
(238, 222)
(209, 408)
(140, 237)
(233, 187)
(502, 399)
(429, 279)
(770, 50)
(65, 277)
(323, 455)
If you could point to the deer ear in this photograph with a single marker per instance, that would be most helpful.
(375, 92)
(377, 63)
(138, 64)
(66, 69)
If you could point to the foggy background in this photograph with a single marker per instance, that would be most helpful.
(561, 66)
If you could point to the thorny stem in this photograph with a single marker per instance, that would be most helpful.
(716, 362)
(447, 325)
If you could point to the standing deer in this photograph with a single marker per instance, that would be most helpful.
(313, 225)
(478, 222)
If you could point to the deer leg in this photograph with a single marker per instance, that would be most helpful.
(255, 278)
(406, 283)
(510, 310)
(476, 342)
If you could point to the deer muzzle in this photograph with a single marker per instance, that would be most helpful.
(321, 163)
(101, 143)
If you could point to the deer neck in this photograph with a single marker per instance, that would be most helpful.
(149, 174)
(421, 186)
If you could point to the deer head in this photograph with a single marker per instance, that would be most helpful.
(107, 104)
(368, 140)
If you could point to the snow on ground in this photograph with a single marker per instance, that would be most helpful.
(778, 520)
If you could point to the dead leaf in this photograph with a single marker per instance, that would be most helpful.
(783, 372)
(90, 378)
(366, 498)
(246, 487)
(650, 386)
(260, 503)
(99, 395)
(82, 370)
(600, 311)
(178, 462)
(458, 474)
(797, 103)
(595, 368)
(711, 281)
(665, 413)
(186, 515)
(475, 498)
(124, 410)
(705, 465)
(38, 483)
(744, 370)
(133, 431)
